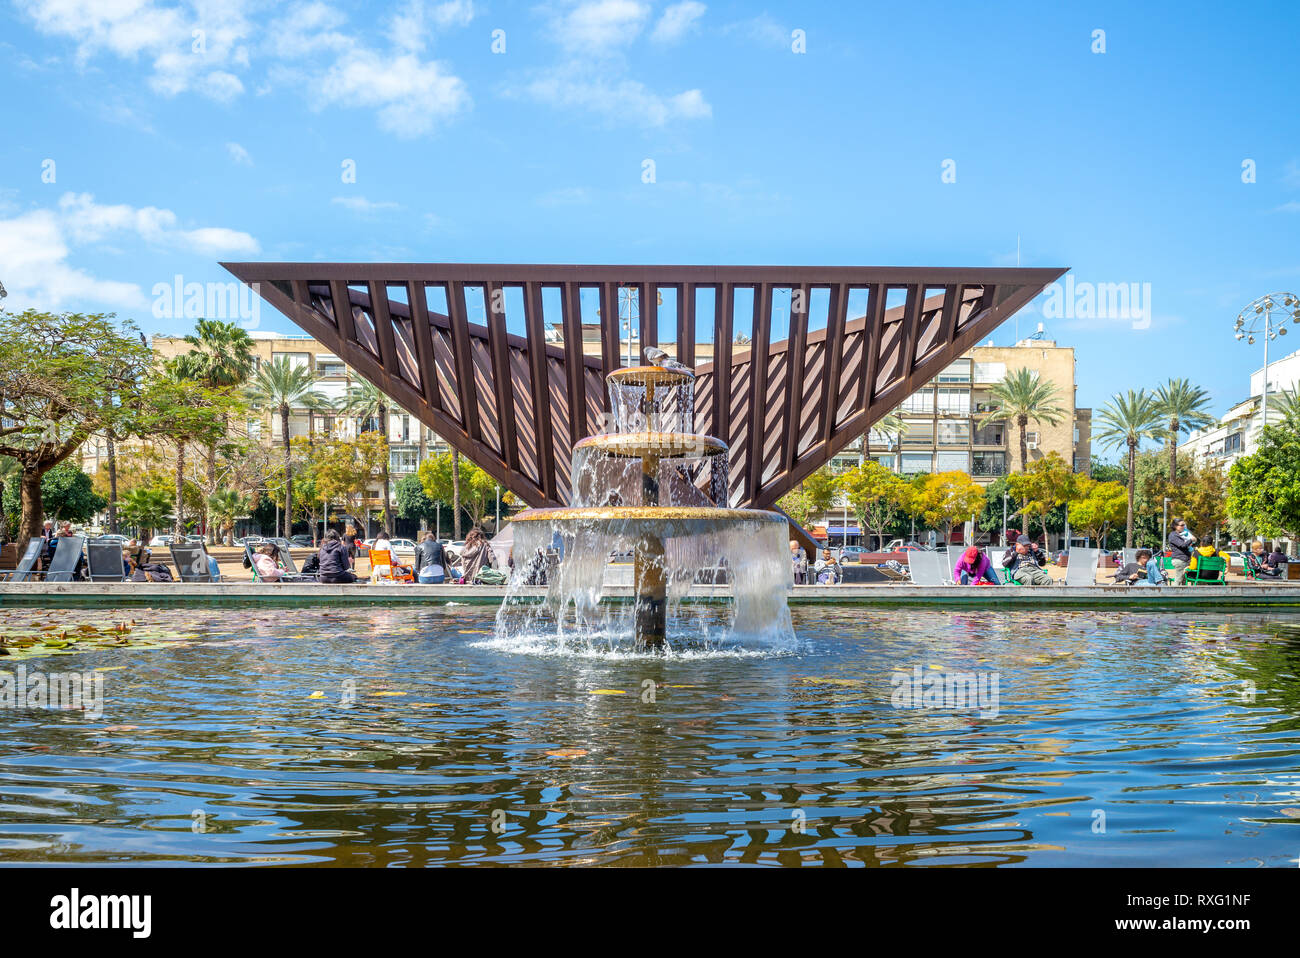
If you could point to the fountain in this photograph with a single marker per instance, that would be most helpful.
(654, 492)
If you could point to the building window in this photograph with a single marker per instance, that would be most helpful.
(919, 402)
(958, 372)
(989, 464)
(913, 462)
(954, 401)
(919, 434)
(954, 433)
(993, 434)
(331, 368)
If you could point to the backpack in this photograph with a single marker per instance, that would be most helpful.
(488, 576)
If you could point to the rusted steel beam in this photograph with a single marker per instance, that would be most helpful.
(686, 324)
(466, 389)
(722, 321)
(503, 380)
(575, 376)
(833, 364)
(794, 365)
(539, 373)
(419, 307)
(759, 413)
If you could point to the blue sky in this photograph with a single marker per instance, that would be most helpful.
(172, 150)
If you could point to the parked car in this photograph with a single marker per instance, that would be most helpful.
(853, 553)
(250, 541)
(112, 537)
(161, 541)
(402, 548)
(300, 540)
(1236, 561)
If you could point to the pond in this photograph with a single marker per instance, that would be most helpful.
(414, 737)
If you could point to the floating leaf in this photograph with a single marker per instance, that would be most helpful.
(316, 695)
(387, 693)
(567, 752)
(608, 692)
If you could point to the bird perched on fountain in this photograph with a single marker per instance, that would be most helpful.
(657, 357)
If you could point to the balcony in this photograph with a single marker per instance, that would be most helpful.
(991, 467)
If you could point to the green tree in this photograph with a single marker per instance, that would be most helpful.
(877, 496)
(221, 359)
(281, 387)
(341, 470)
(1126, 421)
(226, 506)
(66, 493)
(63, 377)
(1046, 485)
(822, 488)
(1264, 488)
(369, 405)
(946, 498)
(477, 489)
(412, 503)
(1183, 406)
(182, 411)
(148, 509)
(1020, 397)
(1097, 506)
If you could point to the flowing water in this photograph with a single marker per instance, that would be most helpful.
(417, 737)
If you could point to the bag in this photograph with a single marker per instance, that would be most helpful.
(487, 576)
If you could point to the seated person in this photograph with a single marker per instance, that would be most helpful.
(973, 568)
(827, 571)
(1155, 574)
(334, 560)
(1205, 549)
(1276, 559)
(1135, 573)
(1023, 563)
(147, 571)
(264, 561)
(1257, 563)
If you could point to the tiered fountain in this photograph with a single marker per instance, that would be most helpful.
(655, 492)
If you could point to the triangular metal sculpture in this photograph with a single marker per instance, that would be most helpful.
(505, 399)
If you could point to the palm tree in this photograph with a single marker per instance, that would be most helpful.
(1020, 397)
(1286, 404)
(227, 505)
(367, 403)
(222, 358)
(147, 509)
(1126, 420)
(1183, 405)
(281, 387)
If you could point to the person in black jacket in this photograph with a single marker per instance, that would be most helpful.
(1179, 543)
(1023, 563)
(431, 560)
(334, 560)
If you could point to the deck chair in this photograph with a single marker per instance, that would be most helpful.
(382, 568)
(26, 567)
(954, 555)
(1081, 567)
(68, 555)
(929, 568)
(1127, 555)
(291, 567)
(1210, 570)
(105, 562)
(192, 563)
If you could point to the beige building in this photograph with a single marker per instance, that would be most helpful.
(943, 418)
(333, 380)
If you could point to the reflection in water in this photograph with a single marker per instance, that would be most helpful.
(1118, 738)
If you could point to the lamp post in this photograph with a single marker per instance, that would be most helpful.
(1004, 517)
(1258, 319)
(1164, 525)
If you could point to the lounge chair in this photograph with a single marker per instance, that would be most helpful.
(382, 568)
(26, 567)
(192, 563)
(290, 567)
(1081, 567)
(68, 555)
(929, 568)
(104, 561)
(1210, 570)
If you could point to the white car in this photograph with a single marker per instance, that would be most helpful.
(402, 548)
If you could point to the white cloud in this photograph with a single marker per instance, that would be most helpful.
(36, 248)
(1291, 206)
(599, 26)
(359, 204)
(38, 275)
(677, 21)
(411, 95)
(209, 47)
(762, 30)
(618, 100)
(239, 155)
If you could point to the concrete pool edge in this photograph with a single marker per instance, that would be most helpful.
(111, 594)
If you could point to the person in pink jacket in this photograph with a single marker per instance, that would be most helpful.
(972, 567)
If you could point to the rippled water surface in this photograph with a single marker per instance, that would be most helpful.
(410, 737)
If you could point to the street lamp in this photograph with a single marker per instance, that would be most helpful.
(1265, 318)
(1164, 525)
